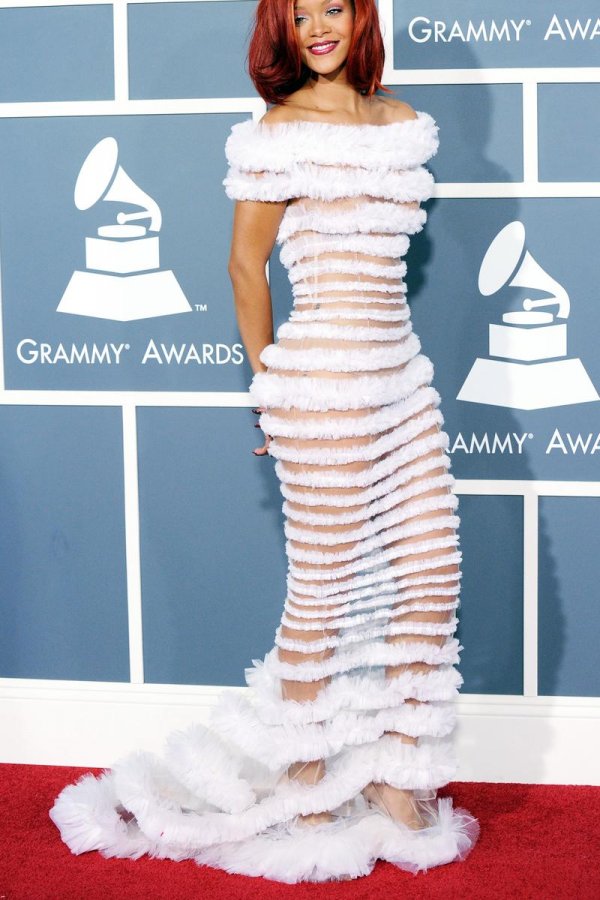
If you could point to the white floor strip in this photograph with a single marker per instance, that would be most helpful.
(545, 740)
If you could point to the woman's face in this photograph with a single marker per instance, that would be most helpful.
(327, 23)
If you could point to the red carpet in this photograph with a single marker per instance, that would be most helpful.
(537, 841)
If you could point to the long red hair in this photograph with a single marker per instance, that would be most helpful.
(274, 61)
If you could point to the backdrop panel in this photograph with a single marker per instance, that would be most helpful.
(143, 561)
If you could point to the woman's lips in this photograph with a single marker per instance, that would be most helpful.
(321, 49)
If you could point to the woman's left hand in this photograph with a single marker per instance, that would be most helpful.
(264, 450)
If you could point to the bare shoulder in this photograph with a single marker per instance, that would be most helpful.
(274, 115)
(281, 113)
(398, 110)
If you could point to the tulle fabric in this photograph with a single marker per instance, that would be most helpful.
(360, 685)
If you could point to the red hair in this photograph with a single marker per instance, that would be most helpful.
(274, 61)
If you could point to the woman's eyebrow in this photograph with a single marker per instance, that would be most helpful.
(323, 2)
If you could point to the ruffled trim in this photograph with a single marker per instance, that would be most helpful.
(320, 183)
(258, 146)
(335, 455)
(347, 848)
(172, 823)
(322, 394)
(371, 475)
(362, 635)
(364, 217)
(327, 266)
(317, 359)
(361, 548)
(336, 312)
(357, 289)
(298, 331)
(375, 491)
(88, 816)
(351, 302)
(394, 498)
(354, 691)
(379, 606)
(372, 586)
(409, 510)
(376, 654)
(276, 746)
(377, 245)
(372, 423)
(298, 575)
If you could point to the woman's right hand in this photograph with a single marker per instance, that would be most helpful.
(264, 450)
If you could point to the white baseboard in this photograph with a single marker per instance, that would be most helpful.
(533, 740)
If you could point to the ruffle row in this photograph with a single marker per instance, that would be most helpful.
(298, 331)
(394, 498)
(323, 394)
(255, 146)
(278, 746)
(353, 691)
(372, 583)
(368, 476)
(412, 467)
(301, 579)
(359, 288)
(326, 265)
(320, 183)
(375, 525)
(364, 314)
(354, 633)
(315, 359)
(218, 795)
(361, 303)
(333, 427)
(364, 547)
(178, 808)
(335, 455)
(379, 604)
(363, 218)
(377, 245)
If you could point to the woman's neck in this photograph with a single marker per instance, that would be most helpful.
(333, 96)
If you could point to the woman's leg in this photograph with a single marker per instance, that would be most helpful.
(399, 801)
(433, 580)
(310, 772)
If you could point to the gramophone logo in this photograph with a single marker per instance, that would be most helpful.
(530, 368)
(122, 280)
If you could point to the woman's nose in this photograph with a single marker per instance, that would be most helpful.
(321, 27)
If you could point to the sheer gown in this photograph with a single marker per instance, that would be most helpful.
(359, 687)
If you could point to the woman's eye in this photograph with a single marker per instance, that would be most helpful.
(334, 9)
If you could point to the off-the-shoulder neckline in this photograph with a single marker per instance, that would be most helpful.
(420, 116)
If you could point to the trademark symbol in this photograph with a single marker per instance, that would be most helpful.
(528, 21)
(128, 346)
(201, 307)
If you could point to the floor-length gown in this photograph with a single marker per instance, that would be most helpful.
(372, 545)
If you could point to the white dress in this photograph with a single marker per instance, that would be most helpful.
(374, 566)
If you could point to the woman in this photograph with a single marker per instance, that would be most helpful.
(334, 758)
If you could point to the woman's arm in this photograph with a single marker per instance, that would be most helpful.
(255, 226)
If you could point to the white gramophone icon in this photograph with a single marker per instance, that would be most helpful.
(532, 371)
(122, 280)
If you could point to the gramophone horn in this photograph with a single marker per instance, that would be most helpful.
(97, 181)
